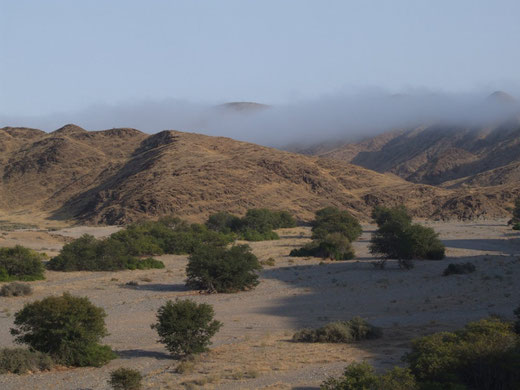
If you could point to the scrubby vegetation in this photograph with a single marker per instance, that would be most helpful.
(459, 269)
(68, 328)
(169, 235)
(362, 376)
(218, 269)
(516, 214)
(333, 230)
(21, 360)
(125, 379)
(334, 246)
(397, 238)
(15, 289)
(186, 327)
(20, 263)
(516, 226)
(90, 254)
(256, 225)
(356, 329)
(483, 355)
(332, 220)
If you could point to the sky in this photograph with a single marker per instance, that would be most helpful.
(61, 58)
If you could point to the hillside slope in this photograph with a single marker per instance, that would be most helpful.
(120, 175)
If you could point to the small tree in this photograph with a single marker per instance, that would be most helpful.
(218, 269)
(68, 328)
(397, 238)
(516, 211)
(125, 379)
(186, 327)
(334, 246)
(20, 263)
(332, 220)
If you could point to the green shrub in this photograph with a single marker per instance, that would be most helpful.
(459, 269)
(20, 263)
(68, 328)
(218, 269)
(397, 238)
(334, 246)
(399, 214)
(356, 329)
(362, 376)
(516, 226)
(224, 222)
(20, 361)
(90, 254)
(332, 220)
(516, 213)
(125, 379)
(15, 289)
(186, 327)
(357, 376)
(483, 355)
(256, 225)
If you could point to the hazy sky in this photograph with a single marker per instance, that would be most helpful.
(58, 56)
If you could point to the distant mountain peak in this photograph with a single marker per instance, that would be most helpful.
(501, 97)
(244, 106)
(69, 129)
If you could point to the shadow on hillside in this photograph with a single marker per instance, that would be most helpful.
(159, 287)
(140, 353)
(510, 246)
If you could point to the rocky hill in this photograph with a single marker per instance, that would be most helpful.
(120, 175)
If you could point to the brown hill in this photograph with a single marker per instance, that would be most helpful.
(119, 175)
(441, 154)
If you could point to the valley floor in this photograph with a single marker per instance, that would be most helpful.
(253, 349)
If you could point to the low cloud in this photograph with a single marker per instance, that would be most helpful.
(342, 116)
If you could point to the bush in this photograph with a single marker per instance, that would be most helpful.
(218, 269)
(483, 355)
(397, 238)
(332, 220)
(186, 327)
(15, 290)
(356, 329)
(334, 246)
(68, 328)
(399, 214)
(516, 213)
(20, 361)
(459, 269)
(167, 235)
(90, 254)
(125, 379)
(20, 263)
(361, 376)
(516, 226)
(256, 225)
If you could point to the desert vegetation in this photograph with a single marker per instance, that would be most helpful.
(356, 329)
(20, 263)
(21, 361)
(186, 327)
(15, 289)
(483, 355)
(217, 269)
(459, 269)
(333, 230)
(67, 328)
(125, 379)
(90, 254)
(398, 238)
(256, 225)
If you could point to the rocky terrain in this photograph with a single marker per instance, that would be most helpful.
(119, 175)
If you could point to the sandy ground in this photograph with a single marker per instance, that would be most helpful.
(253, 349)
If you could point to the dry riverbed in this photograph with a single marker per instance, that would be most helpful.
(253, 349)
